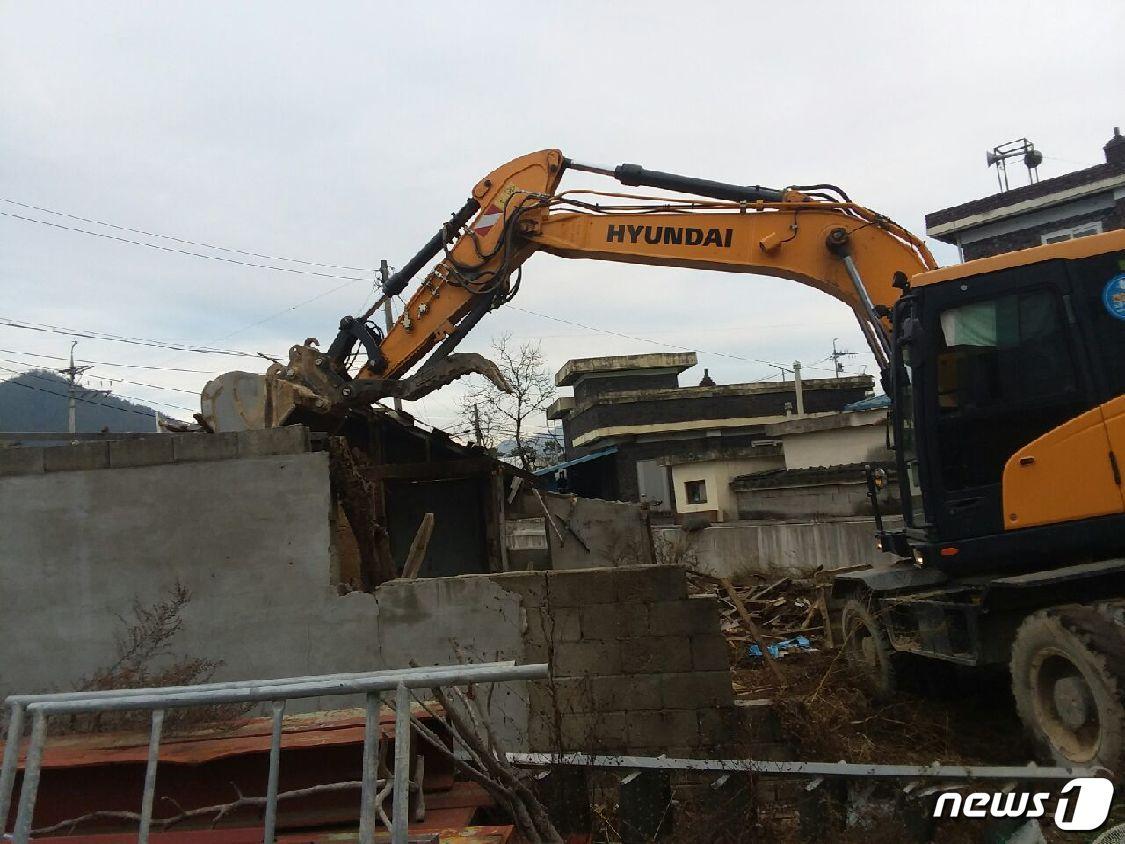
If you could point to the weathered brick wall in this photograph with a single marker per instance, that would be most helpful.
(637, 666)
(1111, 218)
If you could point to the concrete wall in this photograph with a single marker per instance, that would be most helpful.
(249, 536)
(589, 532)
(636, 664)
(866, 443)
(808, 501)
(717, 474)
(785, 548)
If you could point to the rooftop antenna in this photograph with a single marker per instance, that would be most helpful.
(1000, 155)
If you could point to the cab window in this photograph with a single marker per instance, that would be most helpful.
(1004, 367)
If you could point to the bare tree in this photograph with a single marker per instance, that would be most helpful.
(494, 416)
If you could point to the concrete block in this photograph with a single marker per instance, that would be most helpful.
(695, 616)
(694, 689)
(562, 695)
(535, 653)
(576, 732)
(188, 448)
(530, 586)
(21, 461)
(722, 726)
(542, 733)
(534, 628)
(618, 622)
(710, 653)
(649, 584)
(761, 719)
(291, 439)
(564, 625)
(587, 657)
(555, 626)
(580, 587)
(76, 458)
(626, 692)
(656, 655)
(661, 729)
(150, 451)
(611, 732)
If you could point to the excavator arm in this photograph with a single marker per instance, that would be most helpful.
(813, 235)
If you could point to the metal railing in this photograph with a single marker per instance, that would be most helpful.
(276, 693)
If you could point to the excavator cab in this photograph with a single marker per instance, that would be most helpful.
(1002, 366)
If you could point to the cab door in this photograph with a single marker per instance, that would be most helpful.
(1007, 369)
(1099, 293)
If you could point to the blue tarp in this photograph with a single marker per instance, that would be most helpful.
(870, 403)
(586, 458)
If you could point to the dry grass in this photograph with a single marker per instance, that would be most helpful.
(940, 715)
(145, 660)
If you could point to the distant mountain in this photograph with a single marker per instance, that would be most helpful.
(37, 401)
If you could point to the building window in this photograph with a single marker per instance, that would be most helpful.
(696, 492)
(1071, 232)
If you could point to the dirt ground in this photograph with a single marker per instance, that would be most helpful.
(942, 714)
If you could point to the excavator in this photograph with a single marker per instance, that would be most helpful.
(1007, 384)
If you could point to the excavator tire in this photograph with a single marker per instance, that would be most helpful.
(1068, 680)
(868, 649)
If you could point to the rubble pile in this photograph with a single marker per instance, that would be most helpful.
(825, 709)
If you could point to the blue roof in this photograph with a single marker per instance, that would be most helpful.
(586, 458)
(870, 403)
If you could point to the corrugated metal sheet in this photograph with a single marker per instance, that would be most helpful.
(251, 735)
(87, 773)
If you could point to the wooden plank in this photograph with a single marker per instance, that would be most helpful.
(753, 628)
(550, 519)
(417, 554)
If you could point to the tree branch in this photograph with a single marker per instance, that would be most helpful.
(220, 810)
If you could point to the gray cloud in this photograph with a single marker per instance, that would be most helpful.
(346, 133)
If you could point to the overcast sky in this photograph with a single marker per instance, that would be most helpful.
(344, 134)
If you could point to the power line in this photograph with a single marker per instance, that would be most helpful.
(173, 249)
(112, 380)
(184, 240)
(649, 340)
(108, 363)
(84, 400)
(90, 334)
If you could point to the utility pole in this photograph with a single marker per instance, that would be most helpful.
(476, 425)
(72, 372)
(798, 388)
(384, 274)
(837, 355)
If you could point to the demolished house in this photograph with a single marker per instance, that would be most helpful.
(229, 562)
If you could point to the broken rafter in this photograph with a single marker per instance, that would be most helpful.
(417, 553)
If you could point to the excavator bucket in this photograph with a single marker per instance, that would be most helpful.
(307, 391)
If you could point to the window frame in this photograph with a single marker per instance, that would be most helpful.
(1071, 232)
(696, 485)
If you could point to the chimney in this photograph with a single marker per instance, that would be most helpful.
(1115, 148)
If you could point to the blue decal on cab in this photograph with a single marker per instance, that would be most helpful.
(1113, 297)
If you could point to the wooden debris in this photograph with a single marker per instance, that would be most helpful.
(749, 622)
(417, 554)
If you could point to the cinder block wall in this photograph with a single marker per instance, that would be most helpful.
(637, 666)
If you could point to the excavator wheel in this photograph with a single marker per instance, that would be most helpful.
(1068, 679)
(868, 649)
